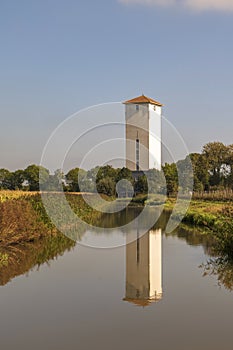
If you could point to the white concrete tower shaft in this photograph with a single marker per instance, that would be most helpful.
(143, 133)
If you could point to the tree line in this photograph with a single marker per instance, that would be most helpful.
(210, 170)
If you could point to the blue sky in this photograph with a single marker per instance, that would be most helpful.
(60, 56)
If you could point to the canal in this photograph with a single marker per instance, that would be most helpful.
(159, 291)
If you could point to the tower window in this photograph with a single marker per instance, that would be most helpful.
(154, 108)
(138, 246)
(137, 107)
(137, 154)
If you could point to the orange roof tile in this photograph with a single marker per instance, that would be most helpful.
(143, 99)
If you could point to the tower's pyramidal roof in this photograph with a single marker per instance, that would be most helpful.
(143, 99)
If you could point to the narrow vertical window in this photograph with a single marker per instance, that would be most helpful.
(138, 246)
(137, 154)
(137, 107)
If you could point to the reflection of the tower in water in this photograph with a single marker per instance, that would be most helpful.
(144, 268)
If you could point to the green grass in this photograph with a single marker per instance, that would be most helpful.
(3, 259)
(214, 218)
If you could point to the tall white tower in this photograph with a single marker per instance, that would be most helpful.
(143, 133)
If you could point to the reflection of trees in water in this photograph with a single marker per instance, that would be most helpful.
(222, 265)
(148, 215)
(222, 268)
(23, 257)
(120, 218)
(194, 237)
(190, 234)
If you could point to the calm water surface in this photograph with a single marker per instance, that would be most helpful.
(148, 294)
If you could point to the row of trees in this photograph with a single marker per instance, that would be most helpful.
(104, 179)
(210, 170)
(27, 179)
(113, 182)
(213, 168)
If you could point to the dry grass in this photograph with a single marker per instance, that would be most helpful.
(9, 195)
(19, 223)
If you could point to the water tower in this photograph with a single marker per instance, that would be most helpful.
(143, 133)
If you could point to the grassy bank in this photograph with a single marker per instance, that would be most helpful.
(206, 214)
(20, 222)
(213, 218)
(25, 228)
(23, 217)
(201, 213)
(209, 217)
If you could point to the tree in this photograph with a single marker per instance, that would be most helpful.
(229, 161)
(215, 154)
(37, 176)
(5, 179)
(171, 176)
(17, 179)
(125, 173)
(141, 185)
(72, 178)
(200, 172)
(106, 186)
(106, 171)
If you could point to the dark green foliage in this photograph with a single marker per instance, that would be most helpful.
(141, 185)
(106, 171)
(106, 180)
(126, 174)
(6, 179)
(222, 268)
(17, 179)
(215, 154)
(171, 176)
(37, 176)
(209, 171)
(106, 186)
(72, 178)
(200, 172)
